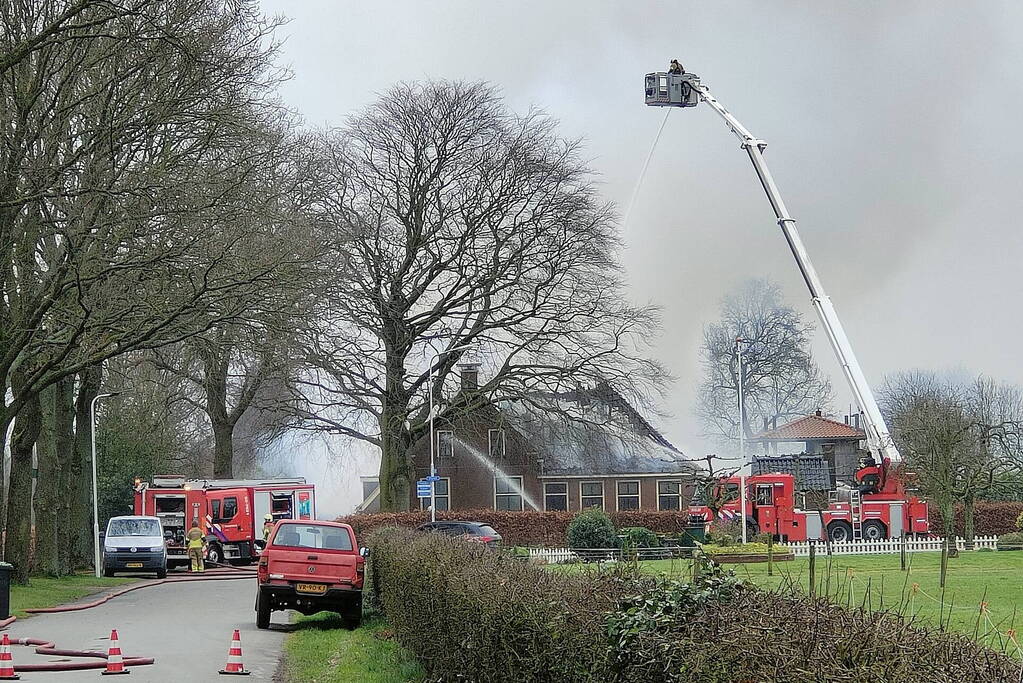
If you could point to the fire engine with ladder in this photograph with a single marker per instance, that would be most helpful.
(878, 505)
(230, 512)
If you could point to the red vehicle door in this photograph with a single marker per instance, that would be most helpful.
(229, 515)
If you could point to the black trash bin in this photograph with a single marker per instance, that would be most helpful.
(5, 589)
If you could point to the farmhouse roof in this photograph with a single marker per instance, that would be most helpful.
(811, 427)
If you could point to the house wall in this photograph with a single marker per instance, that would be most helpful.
(471, 478)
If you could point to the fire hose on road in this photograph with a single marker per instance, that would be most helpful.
(45, 647)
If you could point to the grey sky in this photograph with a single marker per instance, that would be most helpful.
(891, 131)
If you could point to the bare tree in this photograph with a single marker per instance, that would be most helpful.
(780, 378)
(957, 437)
(453, 221)
(119, 149)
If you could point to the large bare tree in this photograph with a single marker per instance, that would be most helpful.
(121, 150)
(453, 221)
(779, 376)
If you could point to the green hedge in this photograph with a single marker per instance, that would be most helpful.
(473, 615)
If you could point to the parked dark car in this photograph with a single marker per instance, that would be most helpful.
(477, 532)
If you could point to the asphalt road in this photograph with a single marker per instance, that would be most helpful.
(185, 627)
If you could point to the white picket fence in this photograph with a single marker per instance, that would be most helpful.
(799, 549)
(888, 546)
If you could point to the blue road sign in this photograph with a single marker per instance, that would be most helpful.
(423, 488)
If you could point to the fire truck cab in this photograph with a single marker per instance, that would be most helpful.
(874, 513)
(229, 511)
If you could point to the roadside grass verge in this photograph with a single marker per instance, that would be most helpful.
(47, 591)
(321, 650)
(877, 582)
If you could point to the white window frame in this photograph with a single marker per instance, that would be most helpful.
(638, 495)
(440, 454)
(582, 503)
(522, 500)
(490, 443)
(424, 503)
(545, 494)
(659, 494)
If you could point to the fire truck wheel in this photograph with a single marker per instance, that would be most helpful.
(214, 555)
(840, 531)
(874, 530)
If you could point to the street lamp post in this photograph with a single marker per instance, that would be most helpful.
(739, 341)
(95, 491)
(433, 468)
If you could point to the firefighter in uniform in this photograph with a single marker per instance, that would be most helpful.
(268, 525)
(194, 539)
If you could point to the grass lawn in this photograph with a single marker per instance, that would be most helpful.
(321, 650)
(994, 578)
(45, 591)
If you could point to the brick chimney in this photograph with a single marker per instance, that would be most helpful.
(470, 373)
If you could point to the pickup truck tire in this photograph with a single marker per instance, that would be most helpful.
(351, 615)
(262, 610)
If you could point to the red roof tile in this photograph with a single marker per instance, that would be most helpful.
(811, 427)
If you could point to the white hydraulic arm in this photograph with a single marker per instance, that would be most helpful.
(879, 440)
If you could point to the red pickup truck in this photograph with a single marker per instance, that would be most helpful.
(311, 566)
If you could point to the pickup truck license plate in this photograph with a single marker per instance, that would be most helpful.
(133, 565)
(311, 588)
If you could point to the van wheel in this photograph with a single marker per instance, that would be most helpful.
(161, 574)
(108, 572)
(262, 610)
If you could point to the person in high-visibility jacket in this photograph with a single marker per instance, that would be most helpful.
(194, 539)
(268, 526)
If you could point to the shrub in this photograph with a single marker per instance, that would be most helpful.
(1013, 541)
(743, 548)
(724, 533)
(989, 518)
(472, 615)
(1019, 521)
(639, 537)
(592, 529)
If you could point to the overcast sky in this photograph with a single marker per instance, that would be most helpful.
(892, 131)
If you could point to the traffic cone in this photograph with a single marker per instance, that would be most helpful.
(115, 663)
(6, 663)
(234, 666)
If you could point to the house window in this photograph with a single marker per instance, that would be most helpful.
(591, 494)
(442, 494)
(669, 495)
(445, 444)
(628, 495)
(507, 493)
(496, 438)
(555, 496)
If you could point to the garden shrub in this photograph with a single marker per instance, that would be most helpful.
(744, 548)
(592, 529)
(469, 614)
(639, 537)
(1013, 541)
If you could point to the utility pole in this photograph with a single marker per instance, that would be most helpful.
(739, 341)
(433, 467)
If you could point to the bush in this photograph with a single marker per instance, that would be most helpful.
(724, 533)
(592, 529)
(521, 528)
(1013, 541)
(639, 537)
(472, 615)
(990, 519)
(744, 548)
(1019, 522)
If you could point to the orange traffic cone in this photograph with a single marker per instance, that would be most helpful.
(234, 664)
(6, 664)
(115, 663)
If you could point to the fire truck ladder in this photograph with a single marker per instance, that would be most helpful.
(856, 514)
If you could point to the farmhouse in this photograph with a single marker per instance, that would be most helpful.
(507, 457)
(839, 444)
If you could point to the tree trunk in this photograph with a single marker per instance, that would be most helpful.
(969, 508)
(77, 539)
(27, 425)
(223, 450)
(215, 370)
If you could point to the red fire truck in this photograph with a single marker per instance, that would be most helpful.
(230, 511)
(878, 507)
